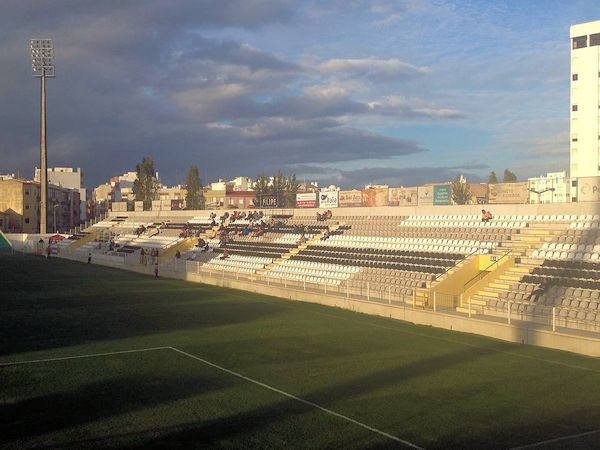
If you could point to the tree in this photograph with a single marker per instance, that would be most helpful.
(145, 188)
(284, 188)
(260, 187)
(509, 177)
(493, 179)
(193, 185)
(461, 194)
(291, 189)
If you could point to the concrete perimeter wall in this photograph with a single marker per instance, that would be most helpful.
(528, 333)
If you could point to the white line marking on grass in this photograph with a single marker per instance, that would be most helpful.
(551, 441)
(92, 355)
(301, 400)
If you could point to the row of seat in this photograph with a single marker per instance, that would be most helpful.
(578, 256)
(464, 224)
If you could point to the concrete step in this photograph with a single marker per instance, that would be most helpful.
(477, 302)
(520, 238)
(507, 277)
(521, 269)
(549, 226)
(465, 310)
(486, 293)
(497, 285)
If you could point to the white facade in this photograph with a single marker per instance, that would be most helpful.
(585, 99)
(552, 188)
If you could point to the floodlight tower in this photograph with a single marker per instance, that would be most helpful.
(42, 67)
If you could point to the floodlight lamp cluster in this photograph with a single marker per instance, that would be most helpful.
(42, 57)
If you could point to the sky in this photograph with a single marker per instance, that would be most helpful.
(344, 92)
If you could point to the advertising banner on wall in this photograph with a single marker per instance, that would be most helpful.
(479, 193)
(375, 197)
(442, 194)
(425, 195)
(268, 201)
(508, 193)
(588, 189)
(350, 199)
(306, 200)
(402, 197)
(328, 199)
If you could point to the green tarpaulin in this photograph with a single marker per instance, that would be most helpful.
(4, 244)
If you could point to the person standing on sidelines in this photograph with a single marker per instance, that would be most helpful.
(48, 251)
(156, 270)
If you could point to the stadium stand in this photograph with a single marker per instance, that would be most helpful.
(532, 267)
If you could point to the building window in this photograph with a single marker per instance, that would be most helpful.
(574, 108)
(594, 39)
(574, 77)
(579, 42)
(26, 219)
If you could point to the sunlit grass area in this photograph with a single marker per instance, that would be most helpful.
(170, 363)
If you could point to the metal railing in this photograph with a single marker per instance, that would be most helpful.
(484, 272)
(455, 264)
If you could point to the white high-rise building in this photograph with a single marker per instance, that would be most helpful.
(585, 99)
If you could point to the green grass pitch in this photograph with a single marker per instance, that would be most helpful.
(253, 371)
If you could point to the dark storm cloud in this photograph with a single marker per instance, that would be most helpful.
(142, 78)
(392, 176)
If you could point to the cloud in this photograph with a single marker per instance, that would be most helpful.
(372, 68)
(414, 108)
(406, 176)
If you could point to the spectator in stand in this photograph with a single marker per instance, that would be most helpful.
(225, 254)
(200, 243)
(486, 216)
(328, 214)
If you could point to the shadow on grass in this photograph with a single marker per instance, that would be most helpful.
(95, 401)
(246, 428)
(82, 304)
